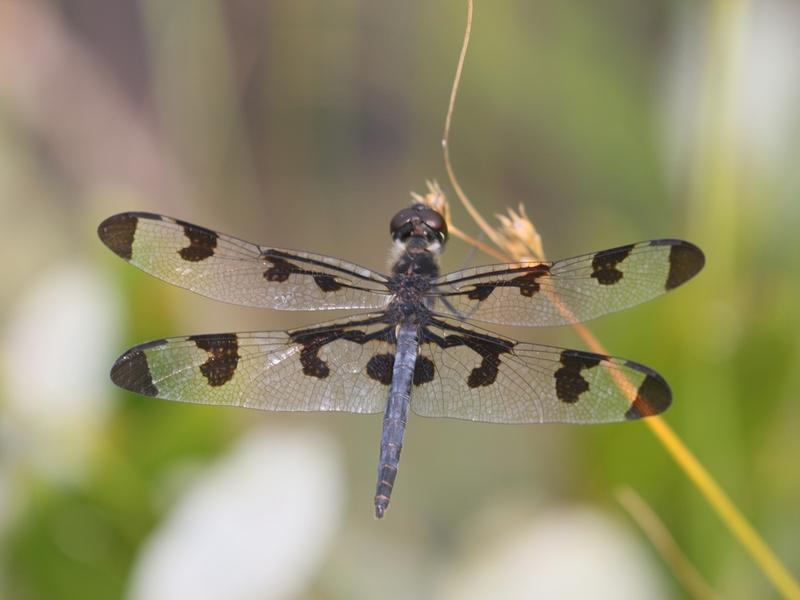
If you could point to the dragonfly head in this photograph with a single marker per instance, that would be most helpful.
(419, 221)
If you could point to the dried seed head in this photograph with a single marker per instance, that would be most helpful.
(520, 237)
(434, 199)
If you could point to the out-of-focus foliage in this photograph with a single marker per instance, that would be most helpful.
(306, 125)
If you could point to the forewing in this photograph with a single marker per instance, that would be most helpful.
(330, 367)
(232, 270)
(571, 290)
(464, 373)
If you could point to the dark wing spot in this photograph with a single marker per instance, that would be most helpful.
(486, 373)
(281, 266)
(314, 339)
(528, 284)
(604, 264)
(327, 283)
(652, 398)
(312, 343)
(489, 348)
(202, 242)
(423, 370)
(313, 365)
(380, 368)
(223, 357)
(481, 291)
(280, 269)
(117, 233)
(570, 383)
(685, 261)
(132, 373)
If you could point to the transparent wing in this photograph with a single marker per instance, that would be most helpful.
(331, 367)
(464, 373)
(232, 270)
(567, 291)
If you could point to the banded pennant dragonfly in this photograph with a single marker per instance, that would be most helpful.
(410, 346)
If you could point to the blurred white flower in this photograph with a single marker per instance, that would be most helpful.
(59, 341)
(576, 552)
(255, 525)
(769, 111)
(762, 94)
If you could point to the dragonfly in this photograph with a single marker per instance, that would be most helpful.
(411, 343)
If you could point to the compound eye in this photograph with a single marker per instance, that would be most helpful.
(412, 218)
(436, 223)
(401, 220)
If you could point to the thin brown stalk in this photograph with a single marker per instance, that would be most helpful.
(473, 212)
(719, 501)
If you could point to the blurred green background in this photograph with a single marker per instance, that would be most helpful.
(305, 125)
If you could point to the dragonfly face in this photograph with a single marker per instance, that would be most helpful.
(410, 340)
(418, 221)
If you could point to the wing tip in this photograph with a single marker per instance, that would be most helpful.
(117, 231)
(131, 371)
(685, 261)
(653, 396)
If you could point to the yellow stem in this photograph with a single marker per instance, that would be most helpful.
(736, 522)
(698, 475)
(667, 547)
